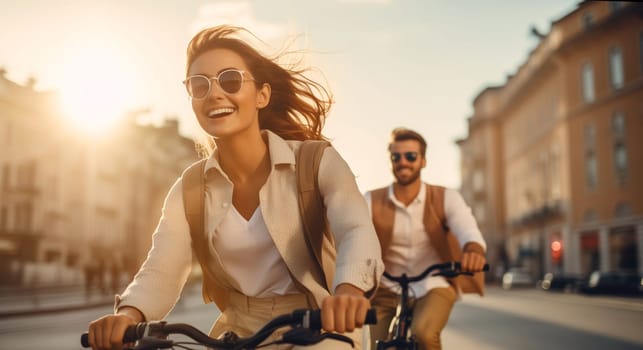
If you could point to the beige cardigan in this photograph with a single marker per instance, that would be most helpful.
(158, 284)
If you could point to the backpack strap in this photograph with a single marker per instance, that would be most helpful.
(311, 207)
(435, 221)
(193, 186)
(449, 247)
(383, 216)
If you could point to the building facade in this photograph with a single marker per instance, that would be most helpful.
(71, 205)
(553, 161)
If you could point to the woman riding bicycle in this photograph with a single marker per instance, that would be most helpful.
(257, 113)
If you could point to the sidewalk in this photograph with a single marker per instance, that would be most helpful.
(29, 301)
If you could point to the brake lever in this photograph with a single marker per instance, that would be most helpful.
(339, 337)
(153, 343)
(300, 336)
(305, 336)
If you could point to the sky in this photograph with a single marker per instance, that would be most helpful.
(388, 63)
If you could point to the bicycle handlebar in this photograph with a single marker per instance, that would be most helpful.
(152, 335)
(447, 269)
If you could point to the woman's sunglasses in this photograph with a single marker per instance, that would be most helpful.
(410, 156)
(230, 81)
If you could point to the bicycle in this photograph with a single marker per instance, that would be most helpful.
(305, 323)
(400, 336)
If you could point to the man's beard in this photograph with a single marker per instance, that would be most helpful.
(409, 180)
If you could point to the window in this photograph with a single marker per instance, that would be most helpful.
(620, 149)
(620, 161)
(623, 250)
(616, 68)
(590, 215)
(618, 125)
(622, 210)
(591, 170)
(591, 162)
(590, 136)
(589, 251)
(26, 178)
(588, 83)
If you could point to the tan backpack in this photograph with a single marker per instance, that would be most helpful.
(313, 213)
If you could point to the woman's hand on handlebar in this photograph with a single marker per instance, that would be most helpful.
(106, 333)
(345, 310)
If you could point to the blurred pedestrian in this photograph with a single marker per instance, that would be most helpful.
(115, 276)
(101, 272)
(89, 270)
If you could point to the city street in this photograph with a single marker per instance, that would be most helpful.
(534, 319)
(516, 319)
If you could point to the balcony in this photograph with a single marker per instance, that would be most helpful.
(538, 216)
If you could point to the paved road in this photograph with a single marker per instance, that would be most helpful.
(533, 319)
(524, 320)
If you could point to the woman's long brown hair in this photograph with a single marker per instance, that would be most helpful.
(298, 105)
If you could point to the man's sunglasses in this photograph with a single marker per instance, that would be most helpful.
(229, 80)
(410, 156)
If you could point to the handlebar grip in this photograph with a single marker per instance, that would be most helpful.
(371, 317)
(84, 340)
(316, 324)
(132, 334)
(485, 267)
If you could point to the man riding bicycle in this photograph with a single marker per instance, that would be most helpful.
(414, 222)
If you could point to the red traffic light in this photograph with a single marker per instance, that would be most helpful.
(556, 251)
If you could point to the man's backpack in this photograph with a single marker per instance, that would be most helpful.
(313, 213)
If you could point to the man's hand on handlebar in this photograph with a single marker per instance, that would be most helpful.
(345, 310)
(473, 259)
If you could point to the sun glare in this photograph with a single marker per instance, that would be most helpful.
(98, 84)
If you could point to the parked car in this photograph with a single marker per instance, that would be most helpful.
(614, 282)
(517, 277)
(561, 282)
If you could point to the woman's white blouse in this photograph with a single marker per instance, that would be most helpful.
(158, 284)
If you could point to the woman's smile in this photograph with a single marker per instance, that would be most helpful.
(220, 112)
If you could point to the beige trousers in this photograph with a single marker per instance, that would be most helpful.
(245, 315)
(430, 316)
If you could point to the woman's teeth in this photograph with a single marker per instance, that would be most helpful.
(219, 112)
